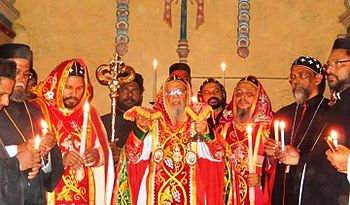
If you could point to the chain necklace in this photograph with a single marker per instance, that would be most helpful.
(15, 125)
(308, 127)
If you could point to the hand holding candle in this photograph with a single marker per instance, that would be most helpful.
(332, 140)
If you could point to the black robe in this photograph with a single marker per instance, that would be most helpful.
(303, 138)
(323, 184)
(34, 191)
(122, 127)
(10, 182)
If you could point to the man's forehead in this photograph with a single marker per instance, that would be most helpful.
(246, 86)
(130, 85)
(211, 85)
(300, 68)
(175, 84)
(74, 80)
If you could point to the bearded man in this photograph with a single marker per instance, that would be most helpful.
(168, 151)
(129, 95)
(64, 97)
(11, 190)
(304, 120)
(21, 122)
(213, 92)
(250, 105)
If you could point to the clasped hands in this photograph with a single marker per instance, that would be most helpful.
(273, 149)
(73, 158)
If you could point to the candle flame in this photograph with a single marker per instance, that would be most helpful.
(155, 64)
(334, 134)
(37, 141)
(194, 99)
(223, 67)
(282, 125)
(277, 123)
(86, 106)
(249, 129)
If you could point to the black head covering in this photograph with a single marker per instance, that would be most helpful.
(180, 66)
(309, 62)
(342, 43)
(76, 70)
(139, 80)
(251, 79)
(7, 69)
(16, 50)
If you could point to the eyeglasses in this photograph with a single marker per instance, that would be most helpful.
(177, 92)
(299, 75)
(335, 64)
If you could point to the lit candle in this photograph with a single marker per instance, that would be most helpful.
(223, 69)
(334, 137)
(194, 99)
(37, 141)
(155, 63)
(282, 125)
(251, 163)
(84, 128)
(276, 125)
(44, 127)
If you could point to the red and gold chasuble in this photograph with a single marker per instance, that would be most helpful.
(236, 137)
(76, 186)
(172, 176)
(170, 165)
(237, 170)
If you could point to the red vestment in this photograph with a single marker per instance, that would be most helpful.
(67, 124)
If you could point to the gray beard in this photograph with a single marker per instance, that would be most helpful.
(242, 114)
(178, 114)
(301, 95)
(19, 95)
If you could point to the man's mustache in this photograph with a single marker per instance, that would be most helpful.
(71, 98)
(213, 98)
(20, 84)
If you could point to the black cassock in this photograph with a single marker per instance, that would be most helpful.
(323, 184)
(10, 178)
(303, 126)
(122, 127)
(33, 191)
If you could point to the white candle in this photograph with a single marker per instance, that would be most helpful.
(282, 125)
(223, 69)
(276, 125)
(37, 141)
(155, 64)
(44, 127)
(84, 128)
(334, 136)
(251, 163)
